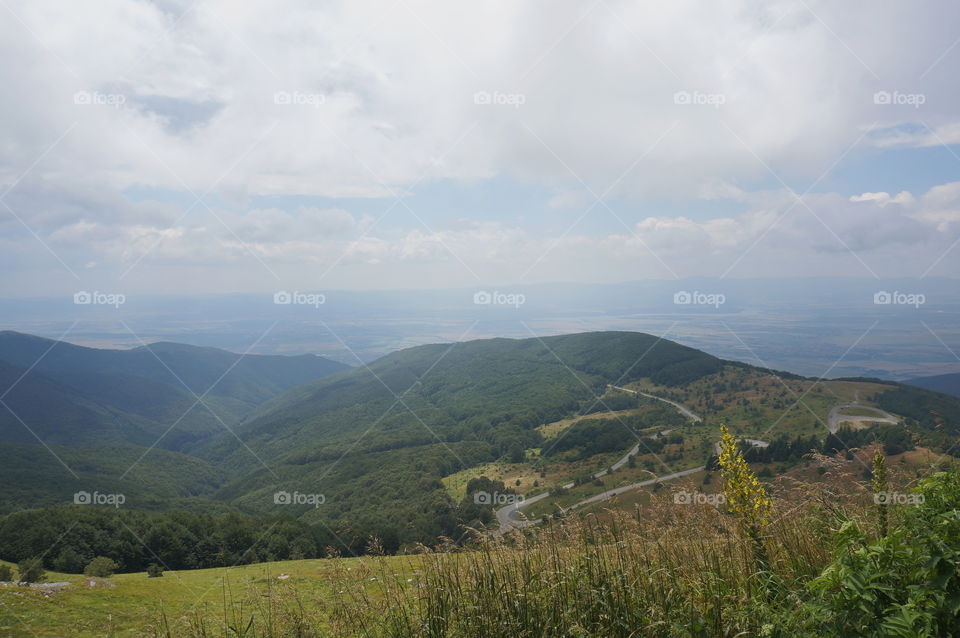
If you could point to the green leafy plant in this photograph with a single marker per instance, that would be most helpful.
(30, 570)
(101, 567)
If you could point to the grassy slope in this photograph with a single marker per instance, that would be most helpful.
(135, 605)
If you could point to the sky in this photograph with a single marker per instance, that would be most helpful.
(227, 146)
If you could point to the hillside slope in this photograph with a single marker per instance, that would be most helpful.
(65, 394)
(105, 409)
(376, 440)
(946, 383)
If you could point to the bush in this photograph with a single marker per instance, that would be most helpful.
(30, 570)
(6, 574)
(904, 584)
(69, 561)
(101, 567)
(154, 571)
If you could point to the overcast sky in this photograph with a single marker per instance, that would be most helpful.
(235, 146)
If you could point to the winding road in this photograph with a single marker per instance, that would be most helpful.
(506, 516)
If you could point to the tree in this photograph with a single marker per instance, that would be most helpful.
(101, 567)
(31, 570)
(68, 561)
(6, 574)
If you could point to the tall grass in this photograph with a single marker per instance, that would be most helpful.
(618, 576)
(663, 570)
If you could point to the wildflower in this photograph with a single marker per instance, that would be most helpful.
(746, 497)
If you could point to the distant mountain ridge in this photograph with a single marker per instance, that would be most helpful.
(108, 408)
(252, 378)
(945, 383)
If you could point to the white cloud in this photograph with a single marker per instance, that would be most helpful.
(883, 198)
(380, 100)
(395, 84)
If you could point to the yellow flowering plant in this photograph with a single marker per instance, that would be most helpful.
(746, 497)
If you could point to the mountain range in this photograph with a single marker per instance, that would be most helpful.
(364, 450)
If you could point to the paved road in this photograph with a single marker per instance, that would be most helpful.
(684, 410)
(507, 515)
(835, 418)
(602, 496)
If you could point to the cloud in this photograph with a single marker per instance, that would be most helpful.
(337, 103)
(374, 105)
(917, 136)
(882, 198)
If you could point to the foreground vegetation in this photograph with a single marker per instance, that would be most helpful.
(820, 564)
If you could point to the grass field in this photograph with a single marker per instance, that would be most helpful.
(135, 604)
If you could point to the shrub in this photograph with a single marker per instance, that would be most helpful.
(6, 574)
(30, 570)
(101, 567)
(154, 571)
(904, 584)
(69, 561)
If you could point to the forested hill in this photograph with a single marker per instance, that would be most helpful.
(249, 378)
(475, 389)
(376, 440)
(74, 417)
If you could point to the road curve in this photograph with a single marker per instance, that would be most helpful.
(684, 410)
(835, 418)
(506, 516)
